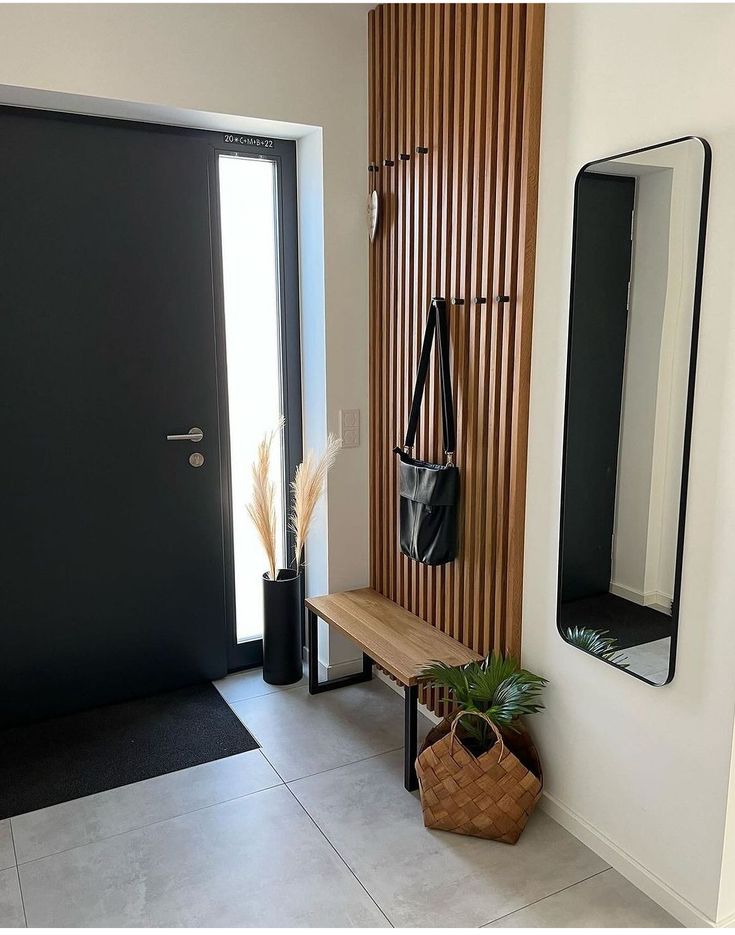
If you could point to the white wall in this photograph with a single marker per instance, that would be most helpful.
(656, 369)
(296, 63)
(649, 271)
(688, 160)
(642, 772)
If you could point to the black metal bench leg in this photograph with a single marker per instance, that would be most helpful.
(313, 652)
(315, 686)
(410, 702)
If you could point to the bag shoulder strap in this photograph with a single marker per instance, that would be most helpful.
(436, 323)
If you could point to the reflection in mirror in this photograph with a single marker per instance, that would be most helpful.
(636, 280)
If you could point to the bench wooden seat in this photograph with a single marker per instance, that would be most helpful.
(398, 641)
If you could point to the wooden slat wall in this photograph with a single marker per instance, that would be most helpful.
(463, 80)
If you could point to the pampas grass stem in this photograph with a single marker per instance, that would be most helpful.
(307, 487)
(262, 507)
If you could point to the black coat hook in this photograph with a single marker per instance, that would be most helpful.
(404, 157)
(457, 301)
(388, 162)
(502, 298)
(422, 150)
(480, 300)
(373, 168)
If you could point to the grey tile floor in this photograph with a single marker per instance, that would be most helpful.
(315, 829)
(651, 660)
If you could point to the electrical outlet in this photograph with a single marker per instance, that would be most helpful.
(349, 427)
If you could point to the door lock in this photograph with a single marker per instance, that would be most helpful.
(193, 435)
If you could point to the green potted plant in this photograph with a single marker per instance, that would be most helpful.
(479, 771)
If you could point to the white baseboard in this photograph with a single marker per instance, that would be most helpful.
(352, 666)
(727, 923)
(398, 689)
(645, 599)
(337, 669)
(627, 866)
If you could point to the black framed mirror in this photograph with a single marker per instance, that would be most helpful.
(637, 264)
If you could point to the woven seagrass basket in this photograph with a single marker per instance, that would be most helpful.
(488, 796)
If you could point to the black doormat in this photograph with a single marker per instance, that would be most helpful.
(69, 757)
(630, 624)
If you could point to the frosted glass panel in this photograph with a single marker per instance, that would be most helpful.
(250, 269)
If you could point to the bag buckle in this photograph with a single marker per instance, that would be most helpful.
(407, 449)
(450, 457)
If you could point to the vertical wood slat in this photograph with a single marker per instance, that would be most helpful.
(474, 578)
(443, 573)
(453, 288)
(528, 207)
(511, 638)
(389, 388)
(463, 80)
(374, 116)
(401, 272)
(407, 299)
(417, 260)
(467, 380)
(492, 513)
(486, 351)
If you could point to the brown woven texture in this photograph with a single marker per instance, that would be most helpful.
(490, 796)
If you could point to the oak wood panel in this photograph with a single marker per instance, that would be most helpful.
(464, 81)
(375, 112)
(397, 640)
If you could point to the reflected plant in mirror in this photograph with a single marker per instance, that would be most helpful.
(598, 643)
(637, 260)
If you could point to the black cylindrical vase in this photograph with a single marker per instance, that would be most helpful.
(282, 628)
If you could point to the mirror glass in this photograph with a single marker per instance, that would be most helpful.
(636, 280)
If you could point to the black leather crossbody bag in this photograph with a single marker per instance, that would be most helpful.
(429, 493)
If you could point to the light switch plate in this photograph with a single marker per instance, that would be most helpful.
(349, 427)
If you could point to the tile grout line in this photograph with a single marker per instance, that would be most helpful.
(302, 683)
(322, 833)
(319, 772)
(307, 775)
(278, 691)
(329, 769)
(17, 873)
(313, 821)
(159, 821)
(535, 902)
(151, 824)
(349, 869)
(138, 782)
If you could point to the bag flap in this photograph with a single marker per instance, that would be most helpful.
(431, 484)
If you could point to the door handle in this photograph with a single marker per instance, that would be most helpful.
(193, 435)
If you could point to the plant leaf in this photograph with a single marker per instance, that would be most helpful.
(496, 686)
(597, 642)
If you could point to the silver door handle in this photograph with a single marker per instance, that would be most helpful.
(193, 435)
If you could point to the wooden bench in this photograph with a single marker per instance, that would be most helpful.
(390, 636)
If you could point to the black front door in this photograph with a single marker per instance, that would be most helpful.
(112, 577)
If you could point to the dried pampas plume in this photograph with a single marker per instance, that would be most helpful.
(307, 488)
(262, 507)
